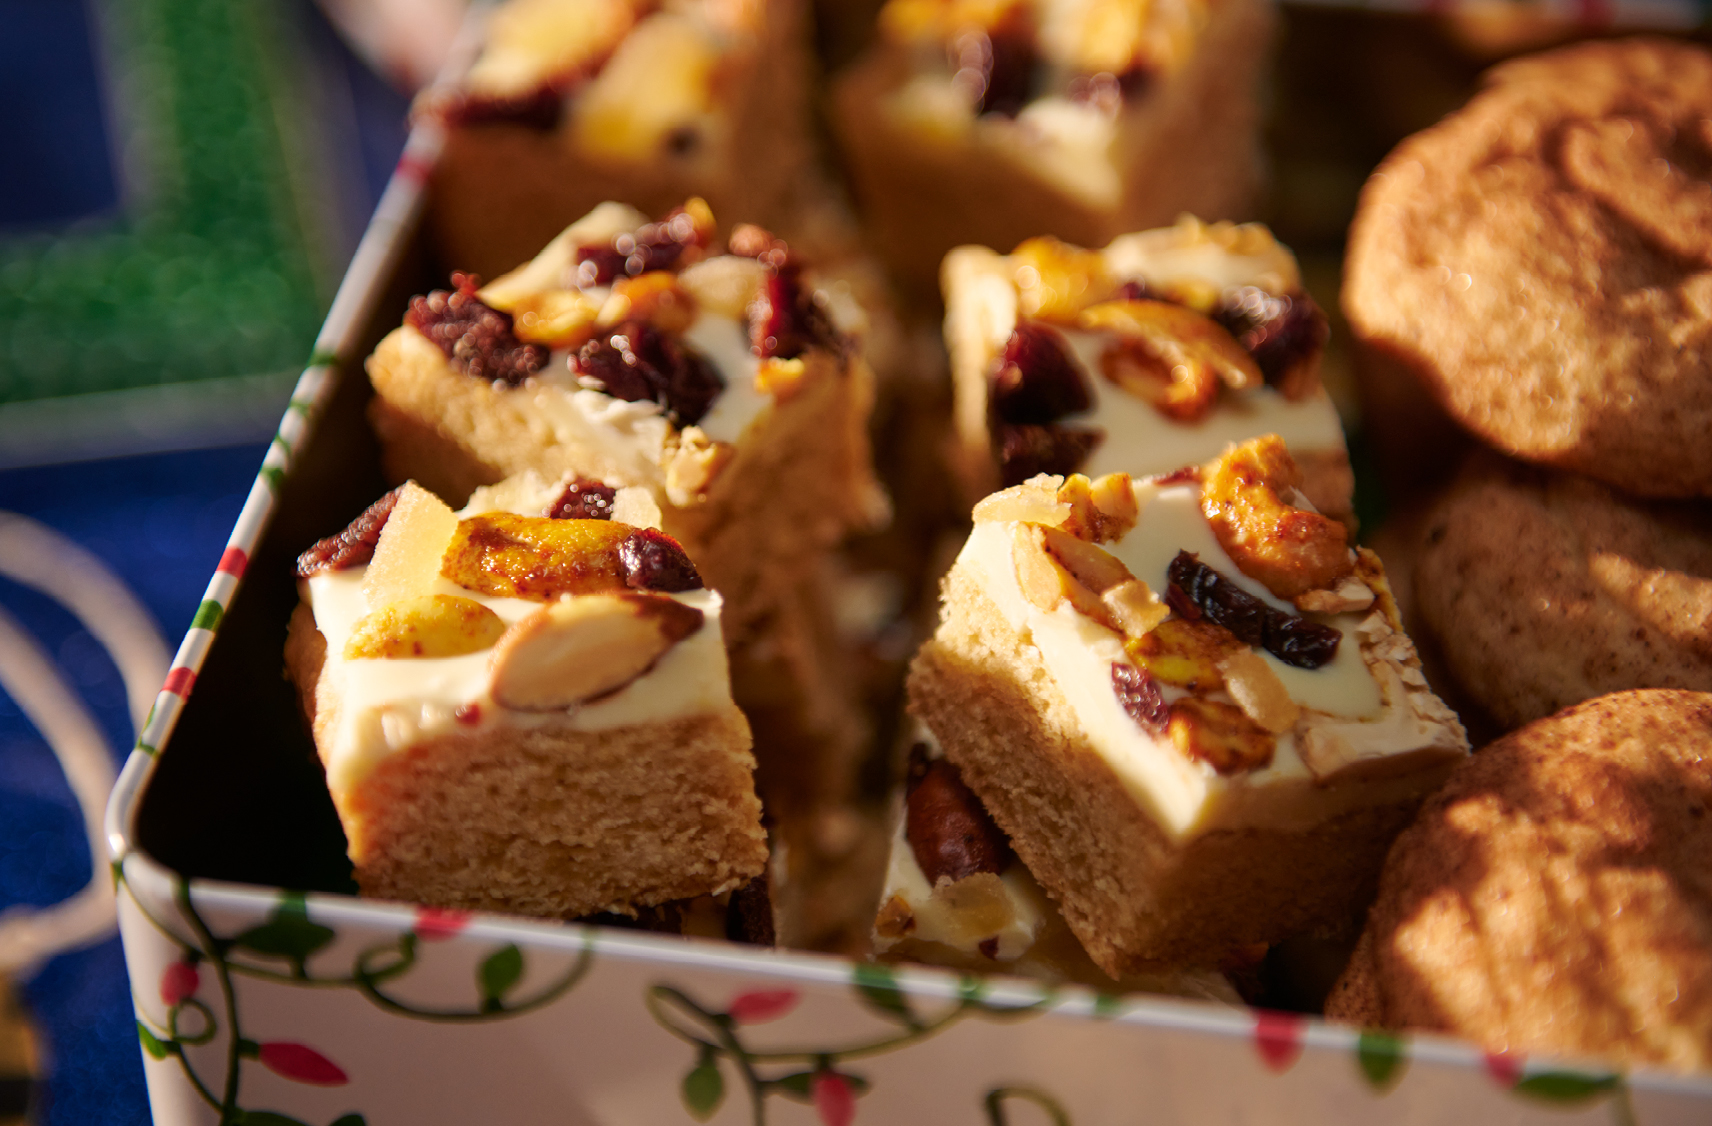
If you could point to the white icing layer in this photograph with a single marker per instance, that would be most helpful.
(1186, 796)
(386, 705)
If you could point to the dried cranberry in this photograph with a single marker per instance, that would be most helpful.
(652, 246)
(1027, 450)
(584, 499)
(1293, 640)
(1279, 332)
(997, 68)
(638, 363)
(352, 547)
(989, 948)
(1136, 290)
(784, 318)
(541, 108)
(475, 337)
(949, 830)
(468, 714)
(1139, 695)
(652, 560)
(1035, 381)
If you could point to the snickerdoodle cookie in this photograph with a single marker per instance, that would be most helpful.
(1541, 261)
(1555, 896)
(1543, 589)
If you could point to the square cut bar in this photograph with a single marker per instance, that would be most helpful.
(731, 386)
(506, 724)
(1151, 354)
(1180, 793)
(988, 123)
(572, 102)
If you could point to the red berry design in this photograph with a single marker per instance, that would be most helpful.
(1278, 1036)
(302, 1063)
(434, 923)
(761, 1005)
(834, 1101)
(179, 982)
(1505, 1068)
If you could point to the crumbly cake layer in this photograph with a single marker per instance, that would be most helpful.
(546, 820)
(1187, 144)
(502, 189)
(794, 485)
(1131, 893)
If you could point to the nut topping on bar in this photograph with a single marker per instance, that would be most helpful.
(1220, 735)
(430, 625)
(352, 547)
(477, 339)
(1170, 356)
(575, 650)
(539, 558)
(1290, 550)
(1186, 654)
(949, 830)
(1056, 281)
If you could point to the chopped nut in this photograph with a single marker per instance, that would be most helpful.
(1134, 607)
(1371, 571)
(895, 920)
(408, 553)
(1178, 338)
(781, 379)
(1055, 281)
(1184, 653)
(1288, 549)
(724, 285)
(1093, 567)
(1099, 510)
(1181, 392)
(557, 318)
(1042, 581)
(1221, 735)
(577, 649)
(1035, 501)
(1351, 595)
(654, 297)
(431, 625)
(693, 467)
(1258, 691)
(636, 506)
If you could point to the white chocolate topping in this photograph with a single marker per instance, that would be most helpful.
(1360, 695)
(386, 705)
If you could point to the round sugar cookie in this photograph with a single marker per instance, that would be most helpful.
(1541, 261)
(1555, 896)
(1542, 589)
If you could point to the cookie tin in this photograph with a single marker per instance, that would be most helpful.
(268, 995)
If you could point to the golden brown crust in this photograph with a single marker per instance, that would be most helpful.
(546, 820)
(1540, 261)
(1544, 589)
(1133, 896)
(1554, 896)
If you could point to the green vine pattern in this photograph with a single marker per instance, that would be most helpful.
(820, 1076)
(286, 942)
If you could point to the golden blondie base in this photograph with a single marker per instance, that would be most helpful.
(1133, 896)
(798, 481)
(1190, 144)
(546, 820)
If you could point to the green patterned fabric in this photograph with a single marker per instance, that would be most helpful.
(208, 273)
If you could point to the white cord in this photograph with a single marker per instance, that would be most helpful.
(36, 556)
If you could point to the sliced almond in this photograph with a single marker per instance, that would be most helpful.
(636, 506)
(1091, 566)
(1257, 690)
(1053, 565)
(1035, 501)
(577, 649)
(407, 555)
(1134, 607)
(430, 625)
(1040, 579)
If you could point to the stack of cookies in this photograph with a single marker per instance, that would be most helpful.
(1531, 282)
